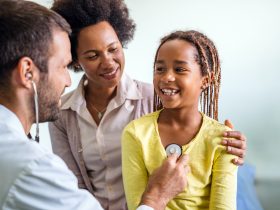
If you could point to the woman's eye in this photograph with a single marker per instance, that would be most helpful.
(113, 49)
(92, 57)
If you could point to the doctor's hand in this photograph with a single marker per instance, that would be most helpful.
(166, 182)
(235, 143)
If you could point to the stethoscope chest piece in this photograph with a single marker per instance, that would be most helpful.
(172, 149)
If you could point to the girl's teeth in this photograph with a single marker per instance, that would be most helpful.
(169, 92)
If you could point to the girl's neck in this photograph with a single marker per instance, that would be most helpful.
(179, 126)
(181, 117)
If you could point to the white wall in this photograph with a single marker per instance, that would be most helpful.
(247, 34)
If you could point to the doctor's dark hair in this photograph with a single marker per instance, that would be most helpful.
(82, 13)
(209, 62)
(26, 30)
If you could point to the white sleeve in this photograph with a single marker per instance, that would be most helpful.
(47, 183)
(144, 207)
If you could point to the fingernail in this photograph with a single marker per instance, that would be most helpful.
(228, 149)
(224, 142)
(225, 133)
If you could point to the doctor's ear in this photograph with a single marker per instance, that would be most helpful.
(28, 76)
(25, 70)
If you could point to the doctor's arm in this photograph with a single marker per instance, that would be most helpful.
(47, 183)
(155, 190)
(166, 182)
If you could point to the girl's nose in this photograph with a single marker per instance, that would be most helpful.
(168, 77)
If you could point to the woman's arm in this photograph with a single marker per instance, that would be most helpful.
(61, 146)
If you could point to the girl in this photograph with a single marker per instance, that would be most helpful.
(186, 71)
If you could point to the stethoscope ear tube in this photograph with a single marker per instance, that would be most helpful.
(37, 138)
(172, 149)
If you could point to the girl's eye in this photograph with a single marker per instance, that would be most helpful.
(159, 69)
(180, 69)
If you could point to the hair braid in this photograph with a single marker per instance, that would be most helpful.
(209, 61)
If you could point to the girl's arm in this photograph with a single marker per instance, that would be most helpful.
(224, 182)
(135, 176)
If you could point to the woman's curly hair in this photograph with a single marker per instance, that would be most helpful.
(82, 13)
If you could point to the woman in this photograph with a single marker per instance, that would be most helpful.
(87, 135)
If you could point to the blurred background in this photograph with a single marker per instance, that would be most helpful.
(246, 33)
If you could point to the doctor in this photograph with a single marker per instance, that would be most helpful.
(35, 53)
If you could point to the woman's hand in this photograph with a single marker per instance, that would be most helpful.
(235, 143)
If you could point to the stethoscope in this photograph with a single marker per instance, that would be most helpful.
(173, 148)
(37, 138)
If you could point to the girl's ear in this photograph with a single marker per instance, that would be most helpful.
(207, 80)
